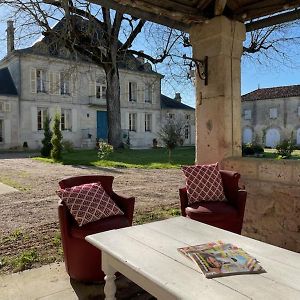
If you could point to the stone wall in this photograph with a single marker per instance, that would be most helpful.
(273, 203)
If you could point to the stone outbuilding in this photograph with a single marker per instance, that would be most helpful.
(270, 115)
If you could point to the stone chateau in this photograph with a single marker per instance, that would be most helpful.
(37, 81)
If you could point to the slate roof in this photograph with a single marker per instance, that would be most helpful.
(167, 102)
(273, 93)
(7, 86)
(47, 46)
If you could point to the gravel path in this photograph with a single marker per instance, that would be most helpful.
(36, 202)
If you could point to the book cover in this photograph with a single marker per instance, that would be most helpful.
(217, 259)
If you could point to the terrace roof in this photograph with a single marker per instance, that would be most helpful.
(182, 14)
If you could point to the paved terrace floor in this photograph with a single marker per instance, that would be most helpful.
(51, 282)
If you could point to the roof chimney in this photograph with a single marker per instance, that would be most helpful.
(10, 36)
(141, 59)
(177, 97)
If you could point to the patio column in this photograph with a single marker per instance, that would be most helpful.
(218, 104)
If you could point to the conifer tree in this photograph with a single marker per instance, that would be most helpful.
(56, 140)
(47, 146)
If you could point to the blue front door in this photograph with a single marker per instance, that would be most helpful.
(102, 126)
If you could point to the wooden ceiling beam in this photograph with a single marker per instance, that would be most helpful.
(264, 8)
(171, 5)
(274, 20)
(219, 7)
(153, 14)
(203, 4)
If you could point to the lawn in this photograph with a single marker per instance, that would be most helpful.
(271, 153)
(128, 158)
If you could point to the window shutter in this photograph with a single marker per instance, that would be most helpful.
(92, 89)
(1, 107)
(7, 107)
(140, 93)
(7, 131)
(33, 80)
(71, 84)
(34, 118)
(126, 92)
(51, 83)
(74, 120)
(56, 77)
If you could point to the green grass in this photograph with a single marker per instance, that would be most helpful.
(127, 158)
(156, 215)
(271, 153)
(11, 182)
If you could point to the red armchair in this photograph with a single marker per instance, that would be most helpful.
(227, 215)
(82, 260)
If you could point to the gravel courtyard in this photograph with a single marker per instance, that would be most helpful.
(28, 218)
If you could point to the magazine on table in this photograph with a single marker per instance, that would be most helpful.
(217, 259)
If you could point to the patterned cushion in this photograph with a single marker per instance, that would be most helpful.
(204, 183)
(88, 203)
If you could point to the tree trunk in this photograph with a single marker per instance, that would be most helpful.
(113, 105)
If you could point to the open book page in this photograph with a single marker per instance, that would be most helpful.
(220, 259)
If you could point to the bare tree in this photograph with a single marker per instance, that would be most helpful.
(93, 32)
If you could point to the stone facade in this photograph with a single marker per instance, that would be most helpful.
(272, 210)
(271, 115)
(43, 90)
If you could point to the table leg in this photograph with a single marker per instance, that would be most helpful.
(110, 285)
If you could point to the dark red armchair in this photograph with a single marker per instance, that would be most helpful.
(82, 260)
(227, 215)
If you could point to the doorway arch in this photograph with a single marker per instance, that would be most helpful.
(272, 137)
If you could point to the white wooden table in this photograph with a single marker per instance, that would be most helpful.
(147, 255)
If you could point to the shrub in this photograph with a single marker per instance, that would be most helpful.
(171, 134)
(286, 148)
(252, 149)
(56, 139)
(247, 149)
(67, 146)
(47, 146)
(104, 149)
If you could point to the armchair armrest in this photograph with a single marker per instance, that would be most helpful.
(240, 202)
(125, 204)
(230, 181)
(183, 200)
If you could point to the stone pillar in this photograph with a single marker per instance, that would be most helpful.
(218, 104)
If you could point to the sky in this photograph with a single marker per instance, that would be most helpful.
(253, 74)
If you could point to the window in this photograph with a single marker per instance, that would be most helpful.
(64, 83)
(186, 132)
(132, 91)
(148, 122)
(187, 117)
(247, 114)
(40, 81)
(1, 131)
(132, 122)
(65, 119)
(273, 113)
(41, 116)
(148, 93)
(298, 111)
(100, 91)
(171, 116)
